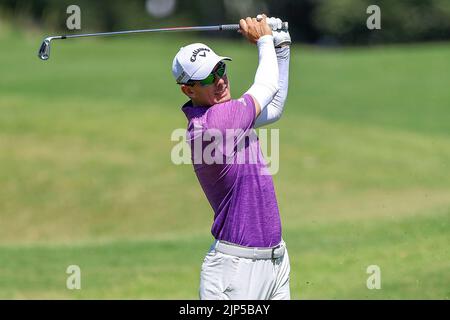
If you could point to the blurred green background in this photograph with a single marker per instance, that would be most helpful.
(86, 177)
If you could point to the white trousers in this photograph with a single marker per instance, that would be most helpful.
(227, 277)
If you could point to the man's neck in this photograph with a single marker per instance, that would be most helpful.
(196, 104)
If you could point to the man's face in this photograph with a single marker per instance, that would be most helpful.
(207, 95)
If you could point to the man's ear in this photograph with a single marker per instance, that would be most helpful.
(188, 90)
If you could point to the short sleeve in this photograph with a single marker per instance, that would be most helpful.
(233, 114)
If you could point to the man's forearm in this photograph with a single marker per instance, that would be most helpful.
(274, 109)
(266, 79)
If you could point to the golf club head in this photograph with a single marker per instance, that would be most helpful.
(44, 50)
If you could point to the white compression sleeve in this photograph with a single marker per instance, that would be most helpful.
(266, 78)
(275, 108)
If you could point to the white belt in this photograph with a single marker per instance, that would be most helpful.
(250, 252)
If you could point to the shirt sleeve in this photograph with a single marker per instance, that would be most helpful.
(234, 114)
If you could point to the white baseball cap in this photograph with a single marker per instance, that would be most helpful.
(194, 62)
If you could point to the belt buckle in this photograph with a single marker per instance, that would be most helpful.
(272, 256)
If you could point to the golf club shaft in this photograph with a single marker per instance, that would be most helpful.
(174, 29)
(44, 50)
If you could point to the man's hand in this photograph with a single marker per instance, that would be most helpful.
(253, 29)
(280, 37)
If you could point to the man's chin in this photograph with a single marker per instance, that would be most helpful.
(221, 99)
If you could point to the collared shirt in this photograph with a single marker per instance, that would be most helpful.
(229, 165)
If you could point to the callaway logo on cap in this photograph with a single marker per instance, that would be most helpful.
(196, 51)
(194, 62)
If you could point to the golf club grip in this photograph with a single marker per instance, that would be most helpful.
(231, 27)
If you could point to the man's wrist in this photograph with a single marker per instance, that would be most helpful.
(282, 52)
(268, 38)
(286, 44)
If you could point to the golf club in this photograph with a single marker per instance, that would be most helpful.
(44, 50)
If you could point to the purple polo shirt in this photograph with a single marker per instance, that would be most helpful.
(232, 172)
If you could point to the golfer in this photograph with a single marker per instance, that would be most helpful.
(248, 259)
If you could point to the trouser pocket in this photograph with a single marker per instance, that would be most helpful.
(217, 276)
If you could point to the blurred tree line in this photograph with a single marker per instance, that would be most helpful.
(312, 21)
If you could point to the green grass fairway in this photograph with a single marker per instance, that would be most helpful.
(86, 177)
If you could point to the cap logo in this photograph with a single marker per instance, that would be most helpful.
(198, 52)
